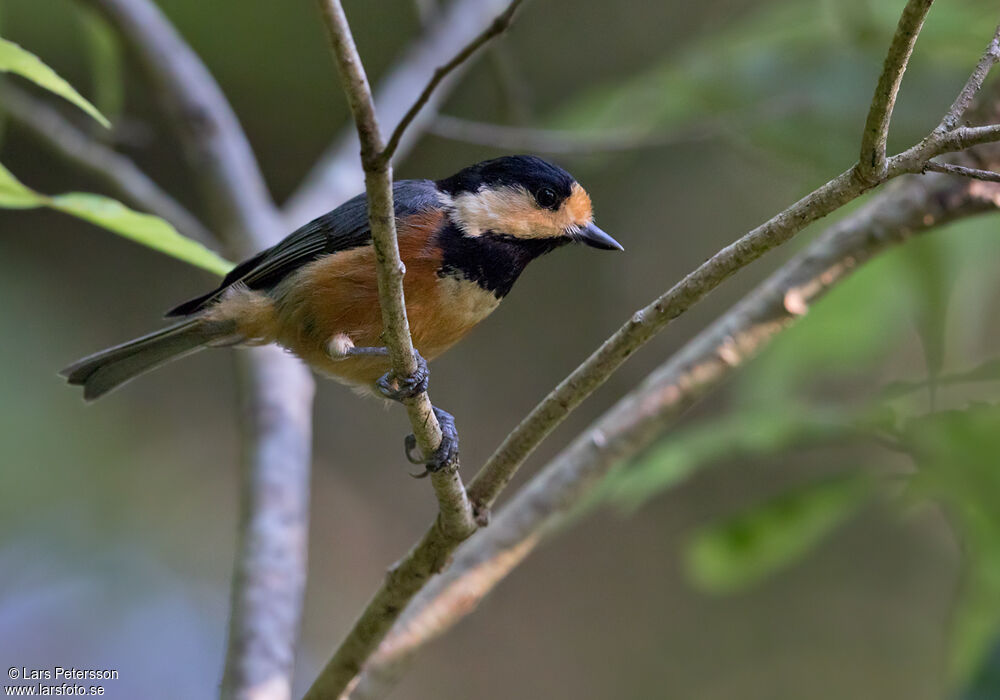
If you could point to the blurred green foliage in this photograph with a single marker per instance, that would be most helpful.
(752, 545)
(755, 79)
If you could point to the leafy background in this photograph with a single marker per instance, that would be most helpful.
(825, 527)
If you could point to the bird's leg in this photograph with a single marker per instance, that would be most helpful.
(445, 455)
(341, 347)
(401, 388)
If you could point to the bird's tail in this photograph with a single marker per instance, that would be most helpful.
(108, 369)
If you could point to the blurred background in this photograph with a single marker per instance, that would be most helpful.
(756, 553)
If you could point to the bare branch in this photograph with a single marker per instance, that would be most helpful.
(269, 572)
(872, 162)
(118, 172)
(238, 203)
(644, 324)
(521, 442)
(497, 26)
(973, 84)
(892, 218)
(455, 520)
(967, 136)
(974, 173)
(338, 175)
(381, 218)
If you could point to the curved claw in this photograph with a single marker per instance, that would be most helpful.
(409, 445)
(399, 389)
(447, 452)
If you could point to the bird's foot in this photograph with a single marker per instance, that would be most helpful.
(400, 389)
(445, 456)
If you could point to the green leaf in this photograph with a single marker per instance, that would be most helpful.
(14, 195)
(14, 59)
(149, 230)
(748, 548)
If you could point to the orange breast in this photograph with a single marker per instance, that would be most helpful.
(338, 294)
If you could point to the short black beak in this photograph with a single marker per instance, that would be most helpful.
(596, 238)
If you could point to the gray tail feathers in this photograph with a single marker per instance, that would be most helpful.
(106, 370)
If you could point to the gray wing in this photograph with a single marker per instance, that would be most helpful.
(343, 228)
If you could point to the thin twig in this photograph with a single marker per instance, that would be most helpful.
(973, 84)
(497, 27)
(951, 168)
(644, 324)
(337, 174)
(872, 162)
(118, 172)
(270, 566)
(894, 217)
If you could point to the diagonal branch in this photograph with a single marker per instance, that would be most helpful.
(972, 86)
(872, 162)
(892, 218)
(496, 27)
(644, 324)
(337, 174)
(270, 566)
(962, 171)
(118, 172)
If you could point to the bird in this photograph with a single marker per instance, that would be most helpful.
(464, 241)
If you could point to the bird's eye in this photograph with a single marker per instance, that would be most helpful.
(545, 197)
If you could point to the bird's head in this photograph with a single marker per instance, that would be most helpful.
(525, 198)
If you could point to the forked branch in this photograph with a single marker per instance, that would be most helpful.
(647, 322)
(455, 520)
(872, 162)
(894, 217)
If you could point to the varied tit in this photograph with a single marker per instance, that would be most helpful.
(464, 241)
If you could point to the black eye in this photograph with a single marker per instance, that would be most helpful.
(545, 197)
